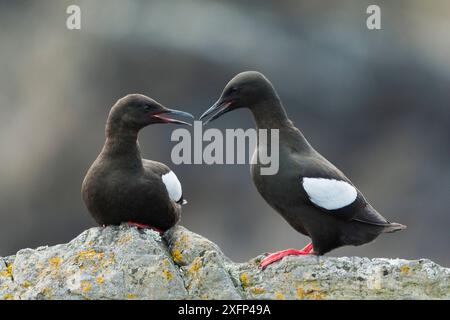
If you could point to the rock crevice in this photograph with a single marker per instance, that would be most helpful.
(126, 263)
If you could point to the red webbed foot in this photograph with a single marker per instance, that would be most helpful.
(273, 257)
(144, 226)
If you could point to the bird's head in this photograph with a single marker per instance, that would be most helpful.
(136, 111)
(246, 90)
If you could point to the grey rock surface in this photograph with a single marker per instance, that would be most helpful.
(126, 263)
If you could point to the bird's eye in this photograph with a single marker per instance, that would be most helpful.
(234, 90)
(146, 107)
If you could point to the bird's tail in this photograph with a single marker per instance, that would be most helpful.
(393, 227)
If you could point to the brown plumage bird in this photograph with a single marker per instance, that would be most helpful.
(314, 197)
(121, 186)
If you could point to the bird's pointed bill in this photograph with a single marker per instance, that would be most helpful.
(221, 107)
(164, 119)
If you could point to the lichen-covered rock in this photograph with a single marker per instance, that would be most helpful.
(127, 263)
(203, 265)
(101, 263)
(311, 277)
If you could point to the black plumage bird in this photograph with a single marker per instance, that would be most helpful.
(314, 197)
(121, 186)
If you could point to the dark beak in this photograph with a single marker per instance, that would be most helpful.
(161, 116)
(221, 106)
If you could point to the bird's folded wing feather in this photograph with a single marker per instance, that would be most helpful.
(168, 178)
(173, 186)
(329, 194)
(341, 199)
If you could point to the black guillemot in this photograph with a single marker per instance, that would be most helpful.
(312, 195)
(121, 186)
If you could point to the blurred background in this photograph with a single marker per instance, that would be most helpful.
(375, 103)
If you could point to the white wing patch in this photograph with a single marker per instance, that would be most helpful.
(329, 194)
(173, 186)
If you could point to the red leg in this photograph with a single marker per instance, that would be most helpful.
(144, 226)
(273, 257)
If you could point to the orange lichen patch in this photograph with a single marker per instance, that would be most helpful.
(100, 279)
(279, 296)
(90, 258)
(314, 295)
(196, 265)
(313, 292)
(131, 296)
(26, 284)
(8, 296)
(8, 271)
(86, 286)
(166, 262)
(46, 292)
(167, 274)
(55, 262)
(124, 239)
(90, 254)
(176, 244)
(300, 293)
(177, 256)
(244, 279)
(176, 251)
(404, 269)
(112, 258)
(257, 290)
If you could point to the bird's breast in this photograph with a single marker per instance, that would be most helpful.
(277, 189)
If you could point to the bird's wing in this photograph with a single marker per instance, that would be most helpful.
(169, 179)
(341, 199)
(329, 190)
(173, 186)
(329, 194)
